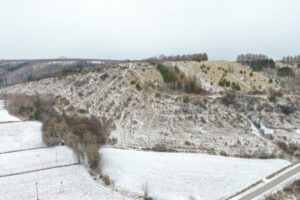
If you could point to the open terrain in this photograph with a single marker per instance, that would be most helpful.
(29, 170)
(182, 175)
(153, 117)
(222, 141)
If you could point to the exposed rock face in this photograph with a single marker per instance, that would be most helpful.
(148, 116)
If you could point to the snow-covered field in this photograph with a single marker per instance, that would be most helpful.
(28, 167)
(170, 176)
(4, 115)
(66, 183)
(37, 159)
(20, 136)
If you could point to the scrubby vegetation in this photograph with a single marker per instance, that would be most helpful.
(235, 86)
(168, 75)
(291, 149)
(178, 81)
(225, 83)
(256, 61)
(83, 134)
(285, 71)
(273, 95)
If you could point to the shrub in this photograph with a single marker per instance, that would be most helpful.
(138, 87)
(58, 128)
(298, 65)
(132, 82)
(106, 180)
(224, 83)
(179, 81)
(167, 74)
(285, 71)
(160, 148)
(93, 155)
(229, 98)
(291, 149)
(273, 94)
(80, 94)
(157, 95)
(235, 86)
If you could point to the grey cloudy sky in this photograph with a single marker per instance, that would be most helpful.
(119, 29)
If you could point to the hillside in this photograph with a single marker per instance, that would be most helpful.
(148, 115)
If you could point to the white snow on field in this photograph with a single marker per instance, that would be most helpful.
(4, 115)
(170, 176)
(20, 135)
(37, 159)
(67, 183)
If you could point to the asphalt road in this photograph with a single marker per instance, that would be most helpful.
(273, 183)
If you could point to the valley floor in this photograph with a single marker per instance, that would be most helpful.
(183, 176)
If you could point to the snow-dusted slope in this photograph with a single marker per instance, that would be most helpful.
(67, 183)
(26, 161)
(4, 115)
(170, 176)
(20, 136)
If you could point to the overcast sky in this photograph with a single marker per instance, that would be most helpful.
(134, 29)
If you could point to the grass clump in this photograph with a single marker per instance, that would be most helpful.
(224, 83)
(138, 87)
(235, 86)
(167, 74)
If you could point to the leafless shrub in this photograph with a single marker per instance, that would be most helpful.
(273, 95)
(82, 134)
(146, 192)
(106, 180)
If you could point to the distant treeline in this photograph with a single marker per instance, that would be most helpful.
(291, 59)
(188, 57)
(14, 73)
(256, 61)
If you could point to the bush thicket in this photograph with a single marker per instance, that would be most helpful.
(285, 71)
(84, 135)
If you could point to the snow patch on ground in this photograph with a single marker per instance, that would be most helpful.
(254, 131)
(179, 176)
(266, 130)
(37, 159)
(4, 115)
(20, 136)
(67, 183)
